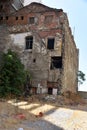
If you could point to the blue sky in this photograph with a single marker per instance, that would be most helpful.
(77, 15)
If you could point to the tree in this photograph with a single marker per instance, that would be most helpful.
(12, 74)
(81, 77)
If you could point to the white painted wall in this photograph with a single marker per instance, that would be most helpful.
(19, 39)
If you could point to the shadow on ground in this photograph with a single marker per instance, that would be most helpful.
(53, 112)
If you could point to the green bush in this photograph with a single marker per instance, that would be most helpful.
(12, 75)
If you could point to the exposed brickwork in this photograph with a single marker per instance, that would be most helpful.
(53, 59)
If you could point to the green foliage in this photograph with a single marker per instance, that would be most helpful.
(12, 74)
(81, 77)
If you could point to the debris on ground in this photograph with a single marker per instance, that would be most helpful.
(46, 111)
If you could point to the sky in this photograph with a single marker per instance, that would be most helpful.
(77, 15)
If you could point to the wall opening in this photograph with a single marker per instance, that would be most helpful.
(56, 62)
(29, 42)
(34, 90)
(50, 91)
(34, 60)
(50, 43)
(1, 18)
(6, 17)
(31, 20)
(16, 18)
(1, 6)
(22, 17)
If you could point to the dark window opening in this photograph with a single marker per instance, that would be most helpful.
(16, 18)
(1, 6)
(50, 91)
(48, 19)
(50, 44)
(22, 17)
(56, 62)
(34, 60)
(31, 20)
(1, 18)
(29, 42)
(6, 17)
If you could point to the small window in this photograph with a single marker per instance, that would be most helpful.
(34, 60)
(16, 18)
(1, 18)
(29, 42)
(48, 19)
(6, 17)
(50, 91)
(31, 20)
(50, 43)
(1, 6)
(56, 62)
(22, 17)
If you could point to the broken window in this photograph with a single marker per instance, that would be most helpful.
(48, 18)
(22, 17)
(29, 42)
(56, 62)
(34, 60)
(31, 20)
(16, 18)
(50, 91)
(1, 6)
(50, 43)
(6, 17)
(1, 18)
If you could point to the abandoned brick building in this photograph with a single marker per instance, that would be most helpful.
(43, 39)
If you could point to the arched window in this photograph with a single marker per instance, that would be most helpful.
(29, 42)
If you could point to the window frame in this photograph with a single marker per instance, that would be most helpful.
(50, 40)
(32, 20)
(29, 42)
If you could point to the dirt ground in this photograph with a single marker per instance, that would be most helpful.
(44, 112)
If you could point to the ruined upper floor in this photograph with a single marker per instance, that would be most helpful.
(34, 14)
(39, 19)
(9, 6)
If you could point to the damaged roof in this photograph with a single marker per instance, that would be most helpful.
(35, 7)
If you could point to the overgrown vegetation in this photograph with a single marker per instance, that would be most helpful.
(12, 75)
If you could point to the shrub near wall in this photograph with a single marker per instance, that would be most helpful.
(12, 74)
